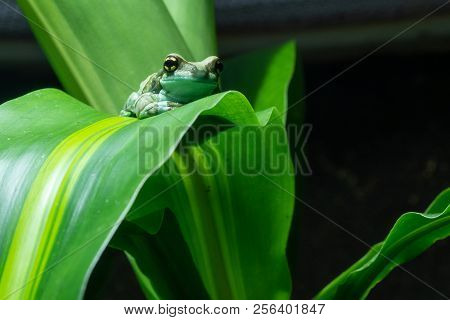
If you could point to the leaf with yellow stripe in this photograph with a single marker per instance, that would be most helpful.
(68, 176)
(101, 70)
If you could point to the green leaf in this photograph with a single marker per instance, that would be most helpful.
(195, 21)
(150, 30)
(228, 247)
(69, 174)
(102, 51)
(263, 76)
(411, 235)
(233, 210)
(164, 253)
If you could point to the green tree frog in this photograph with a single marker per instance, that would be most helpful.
(177, 83)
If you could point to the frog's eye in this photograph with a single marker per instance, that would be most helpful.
(171, 64)
(218, 66)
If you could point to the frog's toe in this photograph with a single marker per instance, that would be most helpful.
(147, 113)
(164, 109)
(126, 113)
(143, 116)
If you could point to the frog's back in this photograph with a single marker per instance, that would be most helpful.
(151, 83)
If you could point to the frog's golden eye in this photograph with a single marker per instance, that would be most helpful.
(171, 64)
(218, 66)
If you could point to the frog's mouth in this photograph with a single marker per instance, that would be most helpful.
(188, 89)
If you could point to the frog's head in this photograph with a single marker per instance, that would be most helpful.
(186, 81)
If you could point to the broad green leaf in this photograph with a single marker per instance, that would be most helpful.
(129, 63)
(231, 252)
(262, 76)
(411, 235)
(195, 20)
(234, 208)
(164, 253)
(101, 51)
(69, 174)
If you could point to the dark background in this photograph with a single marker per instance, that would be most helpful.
(380, 140)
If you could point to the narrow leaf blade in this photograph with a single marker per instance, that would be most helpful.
(102, 51)
(263, 76)
(411, 235)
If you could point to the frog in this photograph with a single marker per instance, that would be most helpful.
(176, 84)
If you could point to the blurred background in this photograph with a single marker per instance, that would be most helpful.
(376, 74)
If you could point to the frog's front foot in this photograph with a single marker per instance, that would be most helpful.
(126, 113)
(149, 110)
(156, 108)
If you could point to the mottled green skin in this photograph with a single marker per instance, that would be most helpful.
(164, 91)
